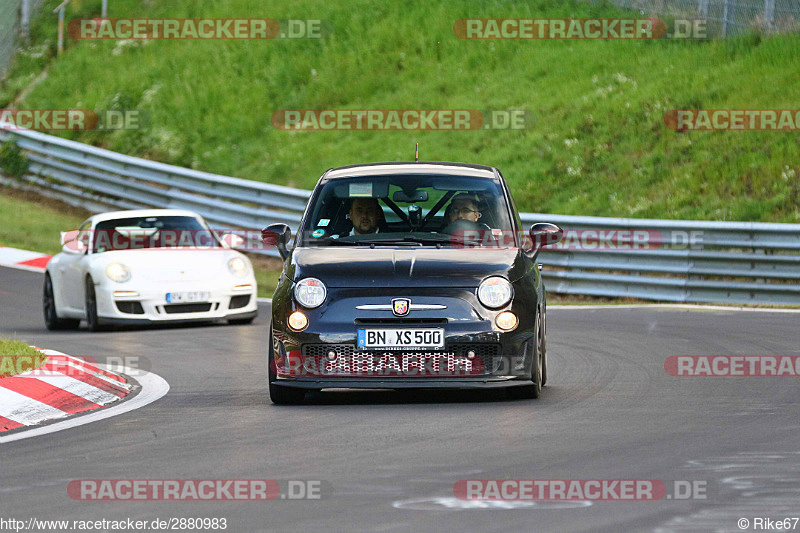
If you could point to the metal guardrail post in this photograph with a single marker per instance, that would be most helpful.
(60, 10)
(769, 15)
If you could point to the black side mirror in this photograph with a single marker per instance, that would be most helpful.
(544, 234)
(277, 235)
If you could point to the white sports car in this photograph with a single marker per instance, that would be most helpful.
(147, 266)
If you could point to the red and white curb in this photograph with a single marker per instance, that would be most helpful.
(23, 259)
(64, 387)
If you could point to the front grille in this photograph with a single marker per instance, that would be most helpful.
(132, 308)
(187, 308)
(239, 301)
(315, 355)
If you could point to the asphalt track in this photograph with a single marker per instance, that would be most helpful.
(610, 411)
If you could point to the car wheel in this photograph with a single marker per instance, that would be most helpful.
(532, 391)
(281, 395)
(51, 320)
(240, 321)
(92, 320)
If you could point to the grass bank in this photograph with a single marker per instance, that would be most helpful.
(596, 145)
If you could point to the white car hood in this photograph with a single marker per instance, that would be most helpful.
(172, 264)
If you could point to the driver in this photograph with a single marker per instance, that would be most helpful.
(364, 216)
(463, 207)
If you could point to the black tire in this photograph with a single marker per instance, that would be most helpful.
(51, 320)
(281, 395)
(240, 321)
(532, 391)
(92, 320)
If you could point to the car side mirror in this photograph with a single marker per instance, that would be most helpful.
(277, 235)
(544, 234)
(72, 244)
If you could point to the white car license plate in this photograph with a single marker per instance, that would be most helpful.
(405, 338)
(189, 296)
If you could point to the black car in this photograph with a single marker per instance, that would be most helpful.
(409, 275)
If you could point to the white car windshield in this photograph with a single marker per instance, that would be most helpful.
(136, 233)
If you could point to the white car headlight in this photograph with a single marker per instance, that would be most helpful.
(310, 292)
(118, 272)
(495, 292)
(238, 267)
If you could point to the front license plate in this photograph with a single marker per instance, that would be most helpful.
(401, 339)
(191, 296)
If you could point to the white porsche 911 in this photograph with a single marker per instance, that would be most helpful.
(147, 266)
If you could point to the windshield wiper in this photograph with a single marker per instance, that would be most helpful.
(414, 239)
(333, 242)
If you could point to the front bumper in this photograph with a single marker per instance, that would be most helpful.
(149, 305)
(476, 353)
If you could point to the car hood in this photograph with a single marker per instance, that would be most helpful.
(170, 264)
(393, 267)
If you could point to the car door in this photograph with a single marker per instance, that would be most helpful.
(72, 267)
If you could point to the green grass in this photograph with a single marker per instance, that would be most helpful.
(32, 226)
(17, 357)
(597, 145)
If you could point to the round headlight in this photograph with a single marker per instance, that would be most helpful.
(495, 292)
(310, 292)
(237, 266)
(118, 272)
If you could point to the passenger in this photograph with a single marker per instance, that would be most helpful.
(463, 207)
(364, 213)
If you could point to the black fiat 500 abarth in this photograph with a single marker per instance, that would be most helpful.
(409, 275)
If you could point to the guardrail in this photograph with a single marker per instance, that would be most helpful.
(673, 260)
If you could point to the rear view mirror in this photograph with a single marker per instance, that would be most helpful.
(277, 235)
(417, 196)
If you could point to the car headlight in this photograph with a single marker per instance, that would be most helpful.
(118, 272)
(237, 266)
(310, 292)
(495, 292)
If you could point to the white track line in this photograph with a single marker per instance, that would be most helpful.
(153, 386)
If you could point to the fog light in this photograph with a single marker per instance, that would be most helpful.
(298, 321)
(506, 321)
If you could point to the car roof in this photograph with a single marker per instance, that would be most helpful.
(111, 215)
(423, 167)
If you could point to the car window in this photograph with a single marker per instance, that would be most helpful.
(134, 233)
(422, 210)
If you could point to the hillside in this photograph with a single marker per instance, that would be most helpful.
(596, 145)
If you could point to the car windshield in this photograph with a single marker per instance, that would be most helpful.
(136, 233)
(409, 210)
